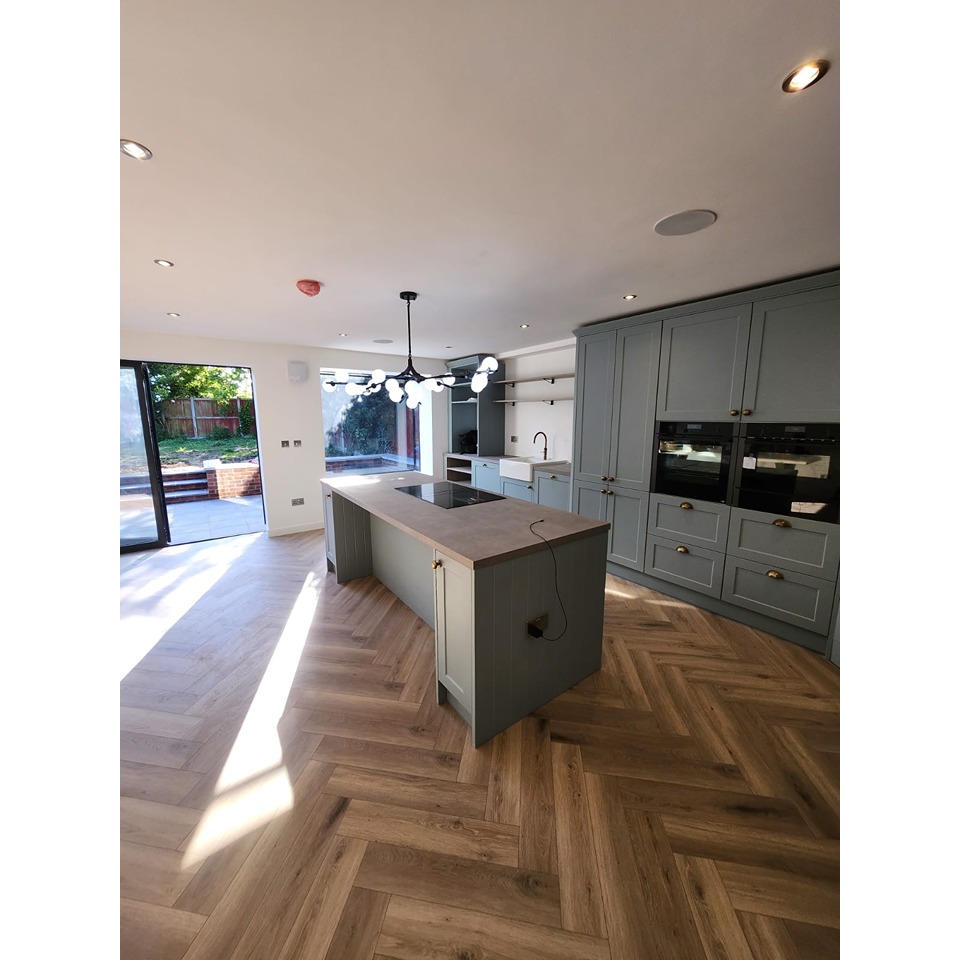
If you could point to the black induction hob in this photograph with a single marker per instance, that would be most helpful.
(449, 495)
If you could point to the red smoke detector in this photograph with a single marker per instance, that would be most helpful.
(309, 287)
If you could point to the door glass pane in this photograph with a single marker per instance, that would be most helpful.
(138, 519)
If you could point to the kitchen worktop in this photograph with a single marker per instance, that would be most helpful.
(476, 535)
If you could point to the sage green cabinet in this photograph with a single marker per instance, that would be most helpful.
(625, 511)
(685, 564)
(552, 490)
(486, 475)
(329, 535)
(517, 488)
(616, 390)
(703, 359)
(692, 521)
(776, 359)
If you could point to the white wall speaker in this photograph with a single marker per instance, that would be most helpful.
(296, 371)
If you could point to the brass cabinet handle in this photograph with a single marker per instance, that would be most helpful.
(329, 495)
(774, 575)
(529, 487)
(781, 522)
(682, 549)
(734, 413)
(686, 506)
(553, 476)
(435, 564)
(747, 413)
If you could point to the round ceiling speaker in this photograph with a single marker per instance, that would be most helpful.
(690, 221)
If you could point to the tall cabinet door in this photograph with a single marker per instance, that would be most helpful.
(703, 359)
(793, 366)
(634, 399)
(596, 366)
(454, 631)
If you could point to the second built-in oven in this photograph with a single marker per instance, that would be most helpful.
(790, 468)
(694, 460)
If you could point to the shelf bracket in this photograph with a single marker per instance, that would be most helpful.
(547, 401)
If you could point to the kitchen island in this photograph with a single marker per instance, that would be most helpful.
(513, 590)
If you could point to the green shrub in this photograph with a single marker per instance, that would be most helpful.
(221, 433)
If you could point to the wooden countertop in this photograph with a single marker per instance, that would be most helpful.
(476, 535)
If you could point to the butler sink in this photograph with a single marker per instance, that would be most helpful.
(521, 468)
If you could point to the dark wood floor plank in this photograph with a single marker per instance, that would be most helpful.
(538, 834)
(417, 930)
(503, 790)
(357, 932)
(151, 932)
(466, 837)
(770, 939)
(629, 932)
(581, 901)
(489, 888)
(719, 929)
(407, 790)
(778, 894)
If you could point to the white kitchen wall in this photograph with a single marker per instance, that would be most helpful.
(291, 411)
(523, 420)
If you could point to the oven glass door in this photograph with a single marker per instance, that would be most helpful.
(793, 478)
(695, 467)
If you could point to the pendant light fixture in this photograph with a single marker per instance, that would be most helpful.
(409, 386)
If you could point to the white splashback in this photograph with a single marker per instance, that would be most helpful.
(523, 420)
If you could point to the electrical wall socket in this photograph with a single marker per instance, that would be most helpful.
(296, 443)
(296, 502)
(284, 443)
(513, 439)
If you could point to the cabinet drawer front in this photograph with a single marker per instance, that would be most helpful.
(517, 489)
(553, 491)
(702, 523)
(795, 598)
(805, 546)
(693, 567)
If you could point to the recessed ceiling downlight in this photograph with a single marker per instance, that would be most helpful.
(163, 263)
(137, 151)
(172, 314)
(806, 75)
(629, 296)
(382, 341)
(689, 221)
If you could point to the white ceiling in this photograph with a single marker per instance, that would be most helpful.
(506, 159)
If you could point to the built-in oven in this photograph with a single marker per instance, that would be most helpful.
(695, 460)
(790, 468)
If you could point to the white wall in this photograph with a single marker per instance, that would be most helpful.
(291, 411)
(524, 419)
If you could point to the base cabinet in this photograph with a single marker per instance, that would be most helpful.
(686, 565)
(794, 598)
(517, 488)
(486, 475)
(552, 490)
(625, 511)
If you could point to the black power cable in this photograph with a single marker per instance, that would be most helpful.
(535, 631)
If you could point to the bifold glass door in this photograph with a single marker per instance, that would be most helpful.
(143, 517)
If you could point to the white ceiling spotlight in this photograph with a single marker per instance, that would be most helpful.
(680, 224)
(163, 263)
(134, 150)
(409, 386)
(804, 76)
(629, 296)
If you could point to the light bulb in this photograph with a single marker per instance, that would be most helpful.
(414, 389)
(341, 376)
(413, 402)
(395, 395)
(478, 382)
(378, 376)
(329, 387)
(354, 389)
(392, 384)
(489, 365)
(449, 380)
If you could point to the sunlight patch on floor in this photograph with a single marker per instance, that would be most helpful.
(254, 786)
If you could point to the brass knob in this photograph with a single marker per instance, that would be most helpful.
(329, 495)
(734, 413)
(529, 487)
(774, 575)
(747, 413)
(781, 522)
(435, 564)
(682, 550)
(686, 506)
(553, 476)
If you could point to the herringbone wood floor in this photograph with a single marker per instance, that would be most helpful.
(290, 789)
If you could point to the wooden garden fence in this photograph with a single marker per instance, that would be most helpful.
(200, 418)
